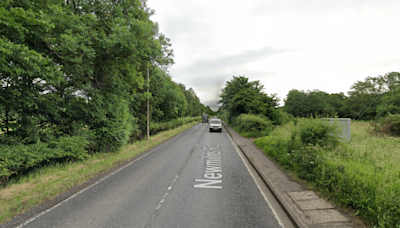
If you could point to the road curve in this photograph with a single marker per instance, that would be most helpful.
(198, 179)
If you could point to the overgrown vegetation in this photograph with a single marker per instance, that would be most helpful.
(362, 175)
(250, 125)
(387, 126)
(46, 182)
(73, 80)
(21, 159)
(248, 109)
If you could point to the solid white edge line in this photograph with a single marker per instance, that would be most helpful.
(55, 206)
(255, 181)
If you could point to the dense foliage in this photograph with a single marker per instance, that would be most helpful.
(242, 96)
(78, 69)
(18, 158)
(372, 98)
(387, 126)
(362, 175)
(300, 103)
(250, 110)
(250, 125)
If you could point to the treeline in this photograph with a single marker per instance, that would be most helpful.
(74, 73)
(248, 108)
(372, 98)
(375, 98)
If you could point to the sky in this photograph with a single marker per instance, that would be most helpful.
(286, 44)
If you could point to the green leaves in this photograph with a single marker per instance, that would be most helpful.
(14, 159)
(57, 57)
(241, 96)
(300, 103)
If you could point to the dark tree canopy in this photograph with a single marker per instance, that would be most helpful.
(71, 67)
(243, 96)
(374, 97)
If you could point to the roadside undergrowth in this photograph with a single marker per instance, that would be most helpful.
(362, 175)
(48, 182)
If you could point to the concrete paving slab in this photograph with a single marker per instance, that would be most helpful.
(332, 225)
(313, 204)
(303, 195)
(325, 216)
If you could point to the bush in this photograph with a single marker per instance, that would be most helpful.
(317, 131)
(300, 151)
(292, 154)
(388, 125)
(250, 125)
(15, 159)
(280, 117)
(361, 175)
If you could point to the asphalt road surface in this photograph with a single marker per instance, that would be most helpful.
(197, 179)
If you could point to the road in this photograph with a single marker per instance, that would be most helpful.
(197, 179)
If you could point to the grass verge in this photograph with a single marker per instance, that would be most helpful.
(362, 175)
(47, 183)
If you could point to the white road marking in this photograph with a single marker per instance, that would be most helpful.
(213, 168)
(208, 183)
(166, 194)
(55, 206)
(258, 186)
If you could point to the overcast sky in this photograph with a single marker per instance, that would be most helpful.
(286, 44)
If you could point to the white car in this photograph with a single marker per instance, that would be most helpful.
(215, 125)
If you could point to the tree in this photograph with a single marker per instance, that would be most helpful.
(68, 65)
(296, 103)
(241, 96)
(390, 103)
(336, 101)
(365, 96)
(315, 102)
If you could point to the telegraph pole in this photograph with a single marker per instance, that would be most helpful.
(148, 98)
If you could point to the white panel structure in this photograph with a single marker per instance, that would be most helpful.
(344, 124)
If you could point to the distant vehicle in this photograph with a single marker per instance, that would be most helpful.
(215, 125)
(205, 118)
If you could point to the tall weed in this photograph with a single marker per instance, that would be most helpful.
(362, 175)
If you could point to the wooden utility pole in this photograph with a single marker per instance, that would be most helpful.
(148, 109)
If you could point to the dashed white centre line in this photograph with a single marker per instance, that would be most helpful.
(166, 194)
(71, 197)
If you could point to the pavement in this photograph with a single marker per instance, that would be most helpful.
(304, 207)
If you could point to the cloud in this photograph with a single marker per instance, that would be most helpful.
(331, 44)
(318, 7)
(211, 64)
(213, 104)
(188, 24)
(209, 85)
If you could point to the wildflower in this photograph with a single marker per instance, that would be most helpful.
(311, 162)
(288, 154)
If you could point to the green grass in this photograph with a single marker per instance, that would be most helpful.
(370, 175)
(48, 182)
(362, 175)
